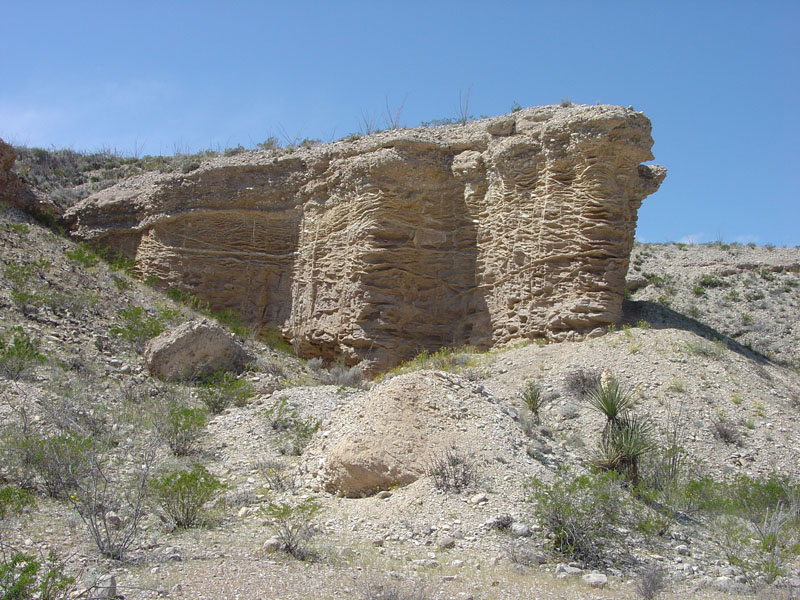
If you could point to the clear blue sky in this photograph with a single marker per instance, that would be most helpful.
(719, 80)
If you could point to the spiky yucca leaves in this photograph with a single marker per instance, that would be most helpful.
(610, 400)
(626, 440)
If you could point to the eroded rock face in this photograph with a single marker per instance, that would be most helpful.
(518, 226)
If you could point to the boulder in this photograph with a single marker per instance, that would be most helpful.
(194, 349)
(377, 248)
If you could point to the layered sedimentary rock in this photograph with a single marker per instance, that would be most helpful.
(378, 248)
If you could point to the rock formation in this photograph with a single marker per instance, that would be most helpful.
(15, 193)
(377, 248)
(195, 349)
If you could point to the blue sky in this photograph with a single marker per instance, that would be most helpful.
(719, 80)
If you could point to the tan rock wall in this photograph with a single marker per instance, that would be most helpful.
(406, 240)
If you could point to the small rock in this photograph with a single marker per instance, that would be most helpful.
(446, 543)
(271, 545)
(384, 494)
(520, 530)
(683, 550)
(595, 580)
(106, 588)
(563, 570)
(479, 499)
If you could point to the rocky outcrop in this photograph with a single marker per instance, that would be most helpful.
(378, 248)
(195, 349)
(14, 193)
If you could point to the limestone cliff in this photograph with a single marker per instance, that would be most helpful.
(513, 227)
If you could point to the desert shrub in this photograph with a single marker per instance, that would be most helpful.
(232, 320)
(179, 425)
(14, 500)
(714, 350)
(221, 389)
(382, 588)
(274, 473)
(273, 338)
(294, 431)
(726, 431)
(138, 326)
(711, 281)
(110, 494)
(84, 255)
(181, 493)
(444, 359)
(579, 382)
(344, 376)
(315, 364)
(580, 512)
(651, 583)
(533, 398)
(755, 522)
(24, 577)
(293, 525)
(452, 470)
(18, 355)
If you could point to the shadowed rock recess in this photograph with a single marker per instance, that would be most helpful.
(518, 226)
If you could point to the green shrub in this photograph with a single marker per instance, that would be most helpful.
(182, 493)
(19, 355)
(138, 326)
(342, 375)
(23, 577)
(580, 512)
(85, 255)
(611, 400)
(221, 389)
(180, 426)
(294, 526)
(711, 281)
(14, 500)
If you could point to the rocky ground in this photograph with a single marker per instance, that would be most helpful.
(686, 352)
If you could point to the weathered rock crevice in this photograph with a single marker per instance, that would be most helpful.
(515, 227)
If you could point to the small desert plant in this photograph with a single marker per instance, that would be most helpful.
(14, 500)
(579, 382)
(181, 493)
(579, 512)
(533, 398)
(274, 473)
(623, 445)
(374, 588)
(726, 431)
(294, 526)
(221, 389)
(179, 426)
(451, 470)
(137, 326)
(294, 431)
(651, 583)
(84, 255)
(18, 355)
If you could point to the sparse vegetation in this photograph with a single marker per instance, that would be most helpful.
(222, 389)
(534, 398)
(19, 354)
(293, 430)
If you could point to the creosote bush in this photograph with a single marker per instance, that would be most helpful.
(178, 424)
(182, 492)
(580, 512)
(293, 525)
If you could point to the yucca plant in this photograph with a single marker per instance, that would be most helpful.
(626, 440)
(610, 400)
(534, 398)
